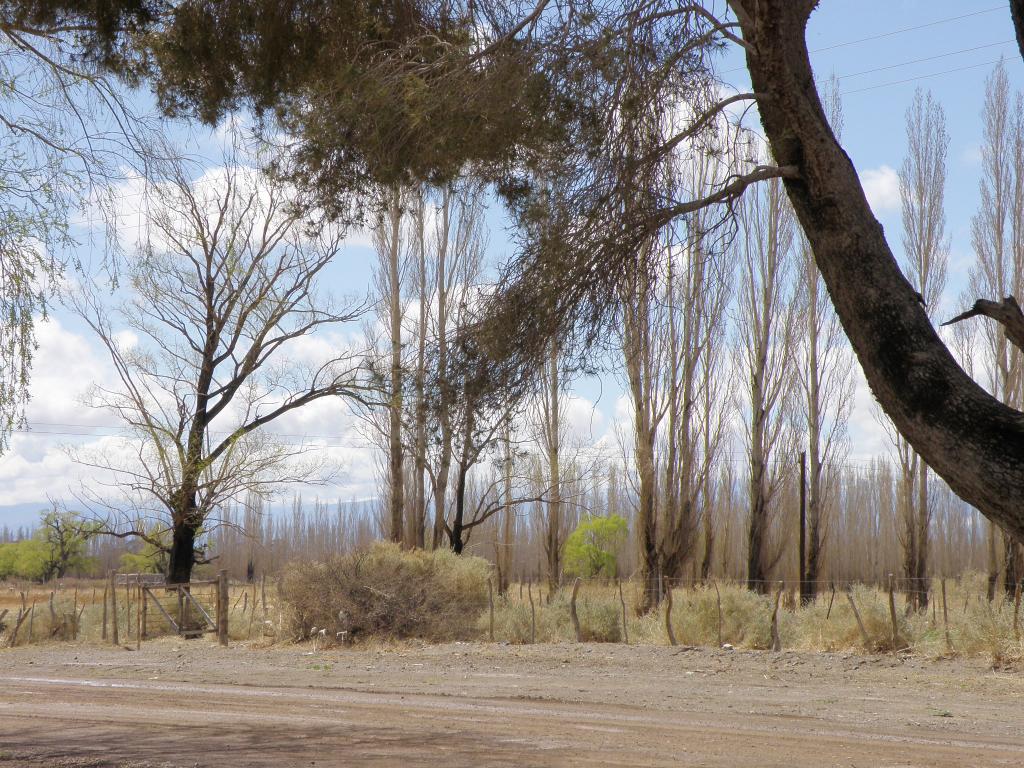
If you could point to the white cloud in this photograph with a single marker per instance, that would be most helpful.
(882, 187)
(970, 155)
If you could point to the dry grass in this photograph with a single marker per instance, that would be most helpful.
(438, 596)
(385, 591)
(78, 612)
(976, 627)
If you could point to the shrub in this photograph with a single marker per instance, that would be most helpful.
(385, 591)
(590, 549)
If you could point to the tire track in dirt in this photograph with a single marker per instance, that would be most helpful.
(47, 720)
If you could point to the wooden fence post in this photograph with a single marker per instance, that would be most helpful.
(945, 617)
(625, 625)
(668, 617)
(718, 600)
(860, 623)
(1016, 611)
(138, 619)
(831, 598)
(892, 616)
(104, 635)
(144, 609)
(222, 607)
(113, 608)
(490, 600)
(128, 610)
(572, 610)
(533, 613)
(776, 639)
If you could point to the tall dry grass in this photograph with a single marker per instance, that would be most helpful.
(387, 593)
(733, 615)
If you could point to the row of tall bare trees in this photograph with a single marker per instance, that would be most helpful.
(729, 346)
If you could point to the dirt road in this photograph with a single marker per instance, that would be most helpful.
(192, 704)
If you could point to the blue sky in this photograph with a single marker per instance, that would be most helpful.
(881, 51)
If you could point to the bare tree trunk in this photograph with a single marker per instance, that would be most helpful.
(920, 583)
(506, 546)
(419, 511)
(396, 451)
(766, 329)
(444, 416)
(642, 363)
(553, 439)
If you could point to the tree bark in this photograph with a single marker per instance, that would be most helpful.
(396, 474)
(181, 557)
(968, 437)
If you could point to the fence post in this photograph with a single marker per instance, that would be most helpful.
(831, 598)
(222, 607)
(572, 610)
(1016, 611)
(892, 616)
(860, 623)
(113, 608)
(144, 609)
(776, 639)
(668, 617)
(625, 626)
(104, 635)
(718, 600)
(533, 614)
(138, 618)
(945, 617)
(490, 600)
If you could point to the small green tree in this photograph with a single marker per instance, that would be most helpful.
(590, 549)
(58, 545)
(151, 557)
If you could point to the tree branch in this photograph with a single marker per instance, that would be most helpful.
(1006, 312)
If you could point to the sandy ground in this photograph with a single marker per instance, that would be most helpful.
(191, 703)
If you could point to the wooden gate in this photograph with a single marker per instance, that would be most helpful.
(181, 605)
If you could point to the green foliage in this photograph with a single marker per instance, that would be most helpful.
(151, 557)
(58, 546)
(590, 549)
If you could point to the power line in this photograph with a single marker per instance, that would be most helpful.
(909, 29)
(926, 58)
(334, 441)
(921, 77)
(894, 32)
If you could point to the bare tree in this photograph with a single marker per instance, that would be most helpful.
(551, 434)
(424, 299)
(926, 254)
(388, 237)
(643, 342)
(698, 288)
(996, 234)
(219, 295)
(457, 252)
(767, 327)
(826, 377)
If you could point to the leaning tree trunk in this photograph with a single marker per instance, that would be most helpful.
(969, 438)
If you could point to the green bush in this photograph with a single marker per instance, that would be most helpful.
(590, 549)
(386, 591)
